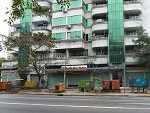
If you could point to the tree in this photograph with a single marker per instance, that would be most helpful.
(28, 42)
(35, 42)
(142, 48)
(19, 7)
(1, 60)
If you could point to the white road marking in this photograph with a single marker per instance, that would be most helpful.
(75, 106)
(137, 103)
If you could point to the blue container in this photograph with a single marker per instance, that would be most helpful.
(138, 82)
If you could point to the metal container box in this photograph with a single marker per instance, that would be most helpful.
(106, 84)
(59, 88)
(31, 84)
(5, 85)
(111, 84)
(85, 84)
(138, 82)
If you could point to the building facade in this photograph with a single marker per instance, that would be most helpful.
(93, 38)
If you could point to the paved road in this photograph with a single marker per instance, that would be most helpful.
(70, 104)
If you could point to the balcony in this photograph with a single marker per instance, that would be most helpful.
(82, 60)
(45, 31)
(132, 23)
(10, 63)
(99, 25)
(44, 3)
(16, 23)
(99, 9)
(132, 7)
(70, 44)
(37, 19)
(99, 42)
(129, 58)
(128, 40)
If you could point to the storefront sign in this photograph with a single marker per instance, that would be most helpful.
(75, 68)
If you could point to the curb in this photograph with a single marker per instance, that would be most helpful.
(63, 94)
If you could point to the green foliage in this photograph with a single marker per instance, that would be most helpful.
(1, 61)
(142, 48)
(63, 3)
(19, 7)
(34, 42)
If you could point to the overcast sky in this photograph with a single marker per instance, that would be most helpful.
(4, 27)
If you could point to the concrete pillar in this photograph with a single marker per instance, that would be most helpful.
(28, 78)
(67, 53)
(138, 90)
(91, 74)
(145, 90)
(110, 75)
(132, 90)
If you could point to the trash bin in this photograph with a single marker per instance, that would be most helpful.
(60, 88)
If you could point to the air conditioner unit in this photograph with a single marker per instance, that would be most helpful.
(49, 11)
(64, 10)
(99, 20)
(69, 26)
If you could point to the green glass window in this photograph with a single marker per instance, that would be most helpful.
(89, 22)
(59, 36)
(83, 21)
(75, 3)
(59, 21)
(25, 26)
(88, 7)
(76, 34)
(56, 7)
(116, 31)
(75, 19)
(89, 37)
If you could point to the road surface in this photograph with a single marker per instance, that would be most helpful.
(70, 104)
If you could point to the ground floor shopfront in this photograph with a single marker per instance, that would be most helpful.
(71, 77)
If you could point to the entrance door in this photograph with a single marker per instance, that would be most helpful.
(115, 77)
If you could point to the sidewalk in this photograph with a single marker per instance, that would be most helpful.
(75, 92)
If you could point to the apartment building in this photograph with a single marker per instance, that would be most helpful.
(96, 36)
(93, 38)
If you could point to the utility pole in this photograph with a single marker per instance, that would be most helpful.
(124, 76)
(65, 70)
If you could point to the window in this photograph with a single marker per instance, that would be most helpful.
(75, 19)
(59, 21)
(88, 37)
(59, 36)
(17, 28)
(131, 33)
(100, 3)
(76, 34)
(42, 56)
(89, 22)
(42, 26)
(75, 3)
(132, 16)
(56, 7)
(79, 52)
(88, 7)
